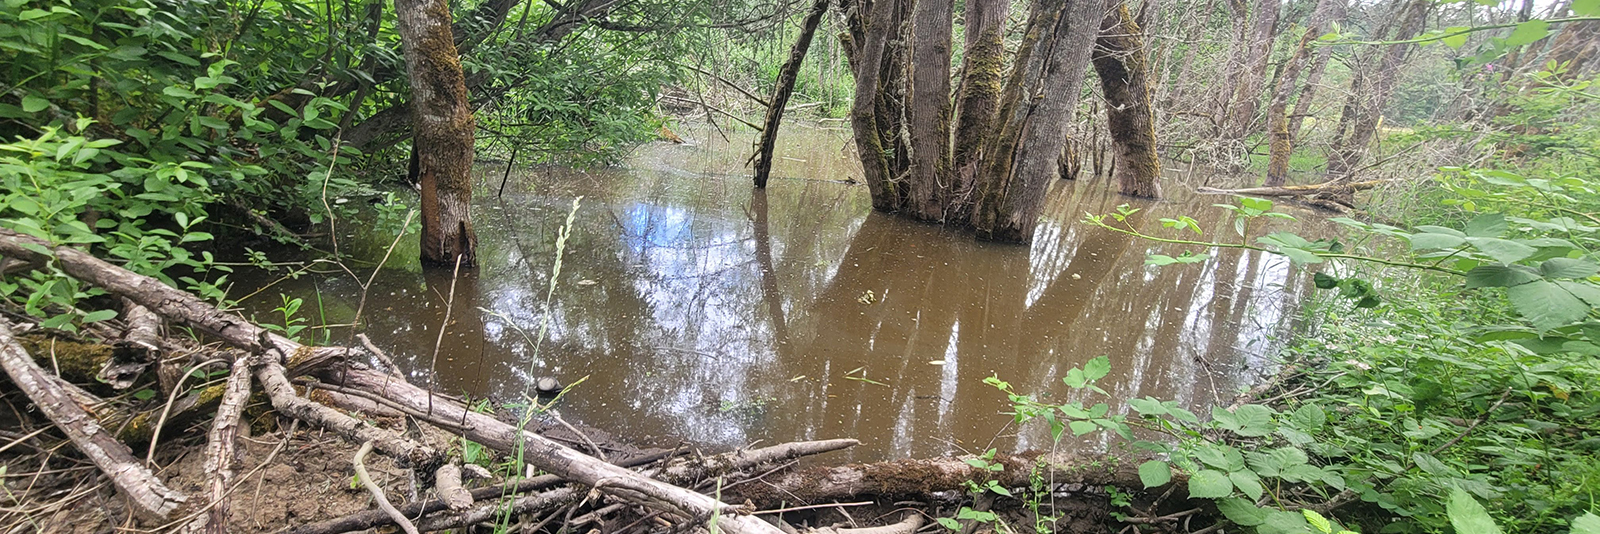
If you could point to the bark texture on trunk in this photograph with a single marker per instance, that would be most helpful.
(1278, 125)
(875, 152)
(149, 497)
(983, 68)
(1253, 72)
(1373, 82)
(442, 131)
(928, 108)
(785, 87)
(1040, 101)
(1123, 66)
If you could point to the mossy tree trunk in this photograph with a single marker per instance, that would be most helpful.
(1041, 98)
(785, 87)
(873, 23)
(1122, 63)
(983, 69)
(1370, 87)
(928, 108)
(1278, 125)
(442, 138)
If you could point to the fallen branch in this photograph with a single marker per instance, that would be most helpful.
(377, 492)
(447, 482)
(922, 477)
(910, 524)
(144, 491)
(1296, 190)
(220, 444)
(553, 457)
(285, 401)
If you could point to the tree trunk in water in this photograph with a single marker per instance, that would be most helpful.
(1308, 92)
(1278, 126)
(1040, 101)
(1369, 92)
(780, 94)
(1123, 67)
(983, 68)
(443, 131)
(876, 25)
(928, 108)
(1242, 107)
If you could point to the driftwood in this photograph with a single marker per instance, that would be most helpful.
(220, 446)
(910, 524)
(922, 477)
(447, 482)
(284, 400)
(183, 308)
(1296, 190)
(143, 490)
(377, 492)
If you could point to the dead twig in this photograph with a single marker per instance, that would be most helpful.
(377, 492)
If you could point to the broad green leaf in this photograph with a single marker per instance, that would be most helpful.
(1080, 428)
(1148, 406)
(1568, 268)
(33, 103)
(1525, 33)
(1425, 241)
(1486, 225)
(1241, 512)
(1097, 368)
(1467, 516)
(1154, 473)
(1584, 291)
(1500, 276)
(1317, 521)
(1281, 522)
(1250, 420)
(1248, 484)
(1502, 250)
(1431, 465)
(1587, 523)
(1455, 36)
(97, 316)
(1210, 484)
(1309, 418)
(1440, 230)
(1546, 304)
(1585, 8)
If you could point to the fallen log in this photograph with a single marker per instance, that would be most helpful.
(447, 483)
(909, 525)
(285, 401)
(145, 493)
(220, 447)
(1295, 190)
(181, 307)
(902, 478)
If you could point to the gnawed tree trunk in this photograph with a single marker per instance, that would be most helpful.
(1247, 92)
(983, 69)
(1278, 125)
(442, 137)
(1041, 99)
(1123, 66)
(928, 108)
(785, 87)
(1370, 88)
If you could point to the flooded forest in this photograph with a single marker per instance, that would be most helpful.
(811, 266)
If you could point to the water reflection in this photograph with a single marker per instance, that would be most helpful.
(704, 312)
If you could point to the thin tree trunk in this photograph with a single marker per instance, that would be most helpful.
(1123, 66)
(1369, 92)
(1308, 91)
(442, 131)
(928, 107)
(1282, 136)
(983, 68)
(785, 87)
(875, 29)
(1242, 109)
(1041, 100)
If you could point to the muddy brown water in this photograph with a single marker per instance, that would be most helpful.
(701, 311)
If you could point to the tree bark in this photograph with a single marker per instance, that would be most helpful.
(147, 495)
(928, 108)
(983, 69)
(442, 137)
(1370, 90)
(876, 27)
(1308, 92)
(221, 450)
(1247, 93)
(1041, 100)
(1122, 63)
(1278, 126)
(785, 86)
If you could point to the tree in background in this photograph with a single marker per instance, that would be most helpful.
(1122, 63)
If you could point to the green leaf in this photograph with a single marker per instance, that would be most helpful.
(1525, 33)
(1210, 484)
(1568, 268)
(1241, 512)
(1309, 418)
(59, 322)
(1586, 292)
(1425, 241)
(144, 394)
(1323, 281)
(1250, 420)
(1486, 225)
(97, 316)
(1467, 516)
(1281, 522)
(1154, 473)
(34, 103)
(1546, 304)
(1248, 484)
(1500, 276)
(1587, 523)
(1317, 521)
(1097, 368)
(1586, 8)
(949, 523)
(1502, 250)
(1454, 39)
(1080, 428)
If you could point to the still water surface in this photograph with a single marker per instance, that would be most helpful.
(705, 312)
